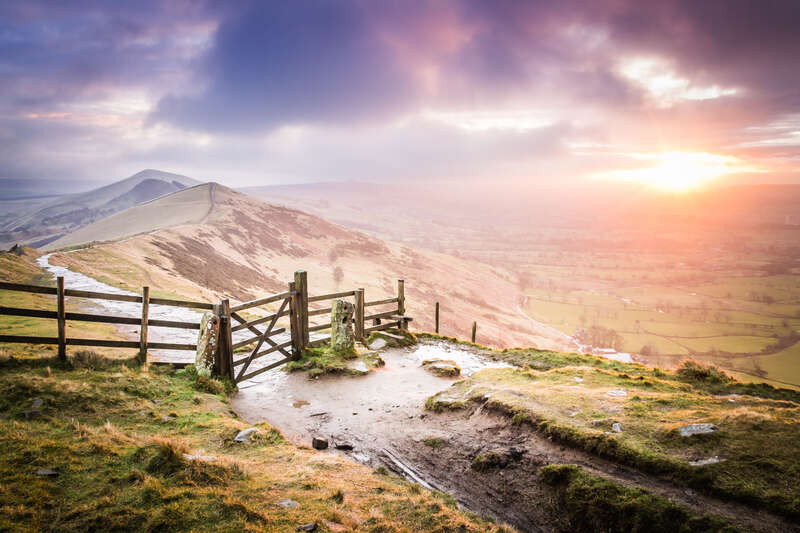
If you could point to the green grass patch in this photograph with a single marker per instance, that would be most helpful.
(145, 450)
(591, 503)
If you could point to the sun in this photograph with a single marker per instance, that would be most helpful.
(680, 171)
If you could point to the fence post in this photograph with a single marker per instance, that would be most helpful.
(474, 329)
(358, 316)
(295, 329)
(143, 329)
(225, 340)
(401, 297)
(301, 287)
(437, 318)
(62, 320)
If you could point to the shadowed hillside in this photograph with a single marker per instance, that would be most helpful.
(67, 213)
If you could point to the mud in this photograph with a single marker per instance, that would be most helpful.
(381, 416)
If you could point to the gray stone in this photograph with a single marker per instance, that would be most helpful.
(286, 503)
(705, 462)
(378, 344)
(617, 393)
(36, 403)
(441, 367)
(697, 429)
(207, 342)
(342, 337)
(46, 472)
(343, 445)
(245, 434)
(358, 367)
(312, 526)
(616, 427)
(195, 457)
(319, 443)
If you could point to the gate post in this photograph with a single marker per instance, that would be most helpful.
(301, 287)
(358, 315)
(225, 340)
(294, 322)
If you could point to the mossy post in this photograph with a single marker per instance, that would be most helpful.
(62, 320)
(143, 328)
(294, 323)
(301, 287)
(358, 315)
(474, 330)
(342, 340)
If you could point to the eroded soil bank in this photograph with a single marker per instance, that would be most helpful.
(380, 420)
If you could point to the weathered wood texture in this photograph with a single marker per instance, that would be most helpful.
(62, 319)
(358, 315)
(436, 319)
(144, 324)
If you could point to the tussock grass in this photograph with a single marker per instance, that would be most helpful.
(117, 437)
(570, 403)
(591, 503)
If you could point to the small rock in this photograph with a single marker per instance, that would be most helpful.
(343, 446)
(319, 443)
(46, 472)
(358, 367)
(697, 429)
(617, 393)
(244, 435)
(165, 418)
(36, 403)
(378, 344)
(441, 367)
(578, 380)
(308, 527)
(704, 462)
(31, 414)
(333, 526)
(286, 503)
(616, 427)
(195, 457)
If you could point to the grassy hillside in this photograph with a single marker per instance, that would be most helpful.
(244, 248)
(578, 399)
(150, 450)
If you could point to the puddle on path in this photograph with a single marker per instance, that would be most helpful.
(359, 409)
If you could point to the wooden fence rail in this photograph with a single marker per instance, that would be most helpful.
(293, 303)
(62, 316)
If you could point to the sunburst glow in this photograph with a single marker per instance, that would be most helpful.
(680, 171)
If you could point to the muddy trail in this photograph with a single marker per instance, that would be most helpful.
(380, 420)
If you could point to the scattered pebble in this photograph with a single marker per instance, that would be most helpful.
(704, 462)
(46, 472)
(617, 392)
(308, 527)
(195, 457)
(244, 435)
(319, 443)
(697, 429)
(616, 427)
(286, 503)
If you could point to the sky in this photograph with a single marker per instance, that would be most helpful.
(669, 94)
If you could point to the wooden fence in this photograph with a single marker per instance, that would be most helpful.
(294, 303)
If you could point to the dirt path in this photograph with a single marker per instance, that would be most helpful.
(382, 417)
(211, 205)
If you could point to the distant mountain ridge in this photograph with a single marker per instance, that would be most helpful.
(68, 213)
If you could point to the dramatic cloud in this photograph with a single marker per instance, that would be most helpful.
(435, 89)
